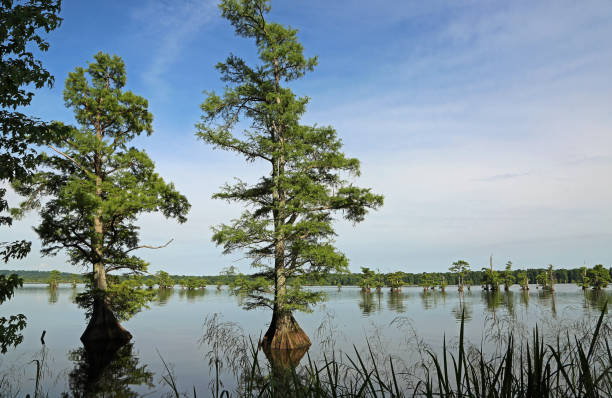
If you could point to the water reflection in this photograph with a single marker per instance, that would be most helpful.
(524, 296)
(191, 294)
(163, 295)
(546, 297)
(53, 295)
(107, 371)
(282, 380)
(432, 299)
(396, 301)
(370, 302)
(463, 308)
(596, 299)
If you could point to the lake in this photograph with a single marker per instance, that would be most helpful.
(399, 324)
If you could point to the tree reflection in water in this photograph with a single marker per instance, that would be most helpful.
(369, 302)
(525, 298)
(191, 294)
(53, 295)
(163, 295)
(597, 299)
(432, 299)
(396, 301)
(107, 371)
(283, 378)
(464, 309)
(547, 298)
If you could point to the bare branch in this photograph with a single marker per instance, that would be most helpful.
(150, 247)
(68, 157)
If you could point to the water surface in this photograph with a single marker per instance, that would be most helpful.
(393, 323)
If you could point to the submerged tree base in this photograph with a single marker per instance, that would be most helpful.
(104, 326)
(284, 333)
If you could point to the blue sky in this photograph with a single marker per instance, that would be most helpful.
(487, 125)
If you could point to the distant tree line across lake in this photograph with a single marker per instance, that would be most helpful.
(562, 275)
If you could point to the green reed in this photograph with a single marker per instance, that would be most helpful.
(571, 367)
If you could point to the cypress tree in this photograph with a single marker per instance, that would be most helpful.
(93, 186)
(287, 228)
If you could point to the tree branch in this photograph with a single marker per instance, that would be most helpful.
(68, 157)
(150, 247)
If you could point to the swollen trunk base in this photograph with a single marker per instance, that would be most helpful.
(104, 327)
(284, 333)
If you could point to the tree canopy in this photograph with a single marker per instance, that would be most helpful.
(94, 184)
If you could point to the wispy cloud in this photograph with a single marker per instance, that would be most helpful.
(506, 176)
(172, 25)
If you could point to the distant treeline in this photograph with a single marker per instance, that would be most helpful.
(562, 275)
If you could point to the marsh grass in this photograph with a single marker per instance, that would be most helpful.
(578, 365)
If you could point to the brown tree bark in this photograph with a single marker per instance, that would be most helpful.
(284, 333)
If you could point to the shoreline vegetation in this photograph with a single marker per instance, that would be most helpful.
(392, 279)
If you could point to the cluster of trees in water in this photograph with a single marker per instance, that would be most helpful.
(596, 277)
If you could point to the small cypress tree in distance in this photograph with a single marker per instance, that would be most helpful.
(287, 230)
(507, 276)
(95, 185)
(461, 268)
(599, 277)
(523, 280)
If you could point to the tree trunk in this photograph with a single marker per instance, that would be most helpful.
(103, 326)
(284, 333)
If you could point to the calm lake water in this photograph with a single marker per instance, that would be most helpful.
(394, 324)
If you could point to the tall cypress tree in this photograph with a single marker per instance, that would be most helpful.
(287, 227)
(94, 185)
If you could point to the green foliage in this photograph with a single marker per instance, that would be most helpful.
(287, 230)
(193, 283)
(10, 327)
(542, 280)
(164, 280)
(442, 283)
(23, 24)
(125, 296)
(149, 283)
(523, 280)
(54, 279)
(584, 280)
(368, 278)
(97, 184)
(460, 268)
(396, 280)
(491, 279)
(427, 281)
(599, 277)
(507, 276)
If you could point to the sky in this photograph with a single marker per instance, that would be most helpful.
(487, 125)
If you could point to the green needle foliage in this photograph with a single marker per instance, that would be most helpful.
(22, 24)
(507, 276)
(92, 189)
(54, 279)
(599, 277)
(523, 280)
(460, 268)
(287, 230)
